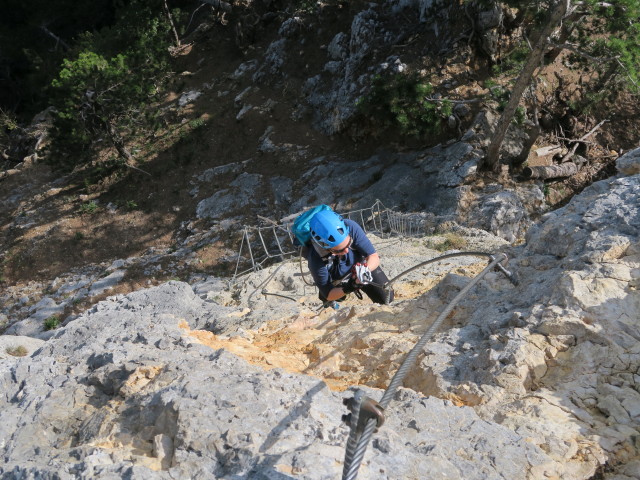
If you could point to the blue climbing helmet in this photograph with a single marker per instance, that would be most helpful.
(328, 229)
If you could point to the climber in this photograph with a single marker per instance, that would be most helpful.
(343, 260)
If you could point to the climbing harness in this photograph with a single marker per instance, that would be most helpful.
(362, 430)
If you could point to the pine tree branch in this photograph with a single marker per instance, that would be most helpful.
(574, 49)
(627, 72)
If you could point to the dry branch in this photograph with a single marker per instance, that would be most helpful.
(581, 139)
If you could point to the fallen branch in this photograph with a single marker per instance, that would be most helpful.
(473, 100)
(581, 139)
(553, 171)
(574, 49)
(192, 15)
(136, 168)
(626, 71)
(588, 142)
(167, 12)
(548, 150)
(268, 220)
(55, 37)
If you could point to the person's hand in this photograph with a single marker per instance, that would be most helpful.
(361, 273)
(350, 286)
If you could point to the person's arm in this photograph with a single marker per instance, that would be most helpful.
(373, 261)
(363, 245)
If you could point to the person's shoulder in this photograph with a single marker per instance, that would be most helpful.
(352, 224)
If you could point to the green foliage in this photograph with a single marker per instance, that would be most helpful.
(52, 322)
(306, 6)
(606, 36)
(35, 36)
(499, 94)
(520, 116)
(512, 63)
(196, 123)
(612, 42)
(102, 89)
(404, 101)
(88, 208)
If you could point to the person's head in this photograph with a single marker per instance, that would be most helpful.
(329, 231)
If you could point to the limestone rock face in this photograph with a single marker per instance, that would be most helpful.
(127, 390)
(538, 380)
(557, 357)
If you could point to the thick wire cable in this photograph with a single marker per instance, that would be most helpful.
(304, 274)
(437, 259)
(264, 284)
(355, 454)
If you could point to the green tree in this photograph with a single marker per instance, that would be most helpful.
(35, 36)
(602, 37)
(404, 101)
(103, 90)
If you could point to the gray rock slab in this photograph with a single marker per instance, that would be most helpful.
(14, 347)
(33, 326)
(124, 390)
(106, 283)
(629, 163)
(224, 201)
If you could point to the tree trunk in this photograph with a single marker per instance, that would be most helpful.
(118, 142)
(170, 17)
(569, 24)
(492, 160)
(532, 135)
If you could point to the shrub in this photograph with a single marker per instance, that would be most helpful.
(196, 123)
(19, 351)
(52, 323)
(405, 101)
(103, 89)
(89, 207)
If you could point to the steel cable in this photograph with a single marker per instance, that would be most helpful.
(264, 284)
(355, 451)
(437, 259)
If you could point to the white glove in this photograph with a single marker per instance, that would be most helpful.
(362, 273)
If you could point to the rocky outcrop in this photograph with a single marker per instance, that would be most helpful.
(557, 358)
(126, 390)
(531, 381)
(434, 180)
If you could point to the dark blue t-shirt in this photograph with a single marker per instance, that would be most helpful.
(339, 266)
